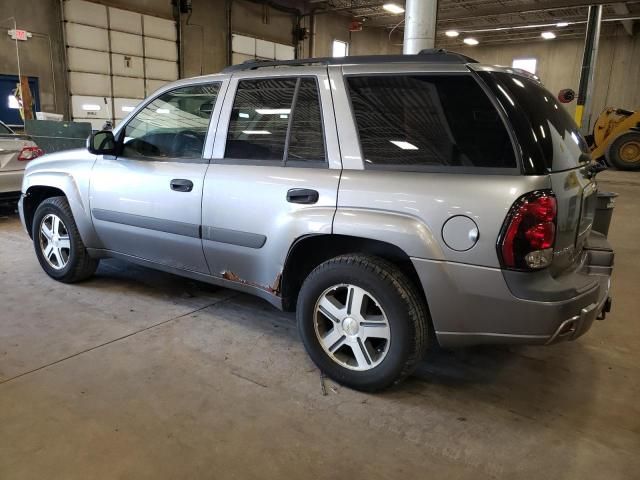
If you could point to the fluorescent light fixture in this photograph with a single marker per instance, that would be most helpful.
(256, 132)
(273, 111)
(284, 116)
(393, 8)
(562, 24)
(13, 102)
(452, 33)
(127, 108)
(548, 35)
(243, 115)
(90, 107)
(471, 41)
(163, 110)
(404, 145)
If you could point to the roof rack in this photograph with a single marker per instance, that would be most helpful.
(425, 56)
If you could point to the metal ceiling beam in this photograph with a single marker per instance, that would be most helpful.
(542, 5)
(622, 9)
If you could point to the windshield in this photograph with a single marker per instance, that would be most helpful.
(551, 130)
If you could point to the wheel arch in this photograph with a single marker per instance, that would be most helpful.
(39, 186)
(309, 251)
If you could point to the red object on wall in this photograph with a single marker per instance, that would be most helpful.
(355, 26)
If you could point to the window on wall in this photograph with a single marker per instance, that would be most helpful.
(276, 119)
(340, 48)
(528, 64)
(412, 122)
(174, 125)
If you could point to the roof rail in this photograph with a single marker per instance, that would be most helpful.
(425, 56)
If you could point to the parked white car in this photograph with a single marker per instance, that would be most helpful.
(15, 151)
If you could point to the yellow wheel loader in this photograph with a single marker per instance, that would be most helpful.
(616, 138)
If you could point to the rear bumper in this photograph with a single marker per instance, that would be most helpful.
(11, 182)
(472, 305)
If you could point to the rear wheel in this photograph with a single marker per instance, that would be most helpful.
(57, 242)
(624, 152)
(362, 321)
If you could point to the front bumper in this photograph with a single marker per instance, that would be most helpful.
(472, 305)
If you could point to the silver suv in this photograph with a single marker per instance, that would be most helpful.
(392, 202)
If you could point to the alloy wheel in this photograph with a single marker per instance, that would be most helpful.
(55, 243)
(352, 327)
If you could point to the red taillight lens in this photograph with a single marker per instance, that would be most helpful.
(29, 153)
(529, 232)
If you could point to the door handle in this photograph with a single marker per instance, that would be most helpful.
(302, 195)
(181, 185)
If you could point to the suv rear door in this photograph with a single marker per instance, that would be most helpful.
(274, 174)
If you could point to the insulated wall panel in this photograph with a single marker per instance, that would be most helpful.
(86, 13)
(153, 85)
(126, 43)
(124, 106)
(128, 87)
(160, 49)
(125, 21)
(161, 69)
(89, 84)
(88, 61)
(127, 65)
(90, 107)
(92, 38)
(159, 28)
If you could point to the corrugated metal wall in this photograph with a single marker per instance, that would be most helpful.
(116, 58)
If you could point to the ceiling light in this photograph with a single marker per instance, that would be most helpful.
(548, 35)
(471, 41)
(404, 145)
(163, 111)
(127, 108)
(273, 111)
(90, 107)
(393, 8)
(256, 132)
(562, 24)
(452, 33)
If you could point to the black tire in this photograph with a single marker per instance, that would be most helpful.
(624, 152)
(398, 297)
(80, 265)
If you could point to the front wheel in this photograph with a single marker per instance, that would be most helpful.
(57, 242)
(362, 321)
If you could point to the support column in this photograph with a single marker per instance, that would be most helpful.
(420, 25)
(587, 73)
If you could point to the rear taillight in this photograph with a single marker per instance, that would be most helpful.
(529, 232)
(29, 153)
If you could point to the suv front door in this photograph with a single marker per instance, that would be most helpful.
(274, 174)
(146, 202)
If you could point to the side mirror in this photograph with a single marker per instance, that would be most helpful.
(102, 143)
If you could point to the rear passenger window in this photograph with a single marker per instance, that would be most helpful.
(426, 121)
(276, 119)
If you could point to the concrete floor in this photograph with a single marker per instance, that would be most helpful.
(138, 374)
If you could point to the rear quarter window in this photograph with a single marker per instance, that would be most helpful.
(414, 122)
(548, 134)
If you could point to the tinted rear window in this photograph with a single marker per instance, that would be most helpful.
(417, 121)
(550, 128)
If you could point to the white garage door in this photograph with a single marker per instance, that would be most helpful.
(115, 59)
(245, 48)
